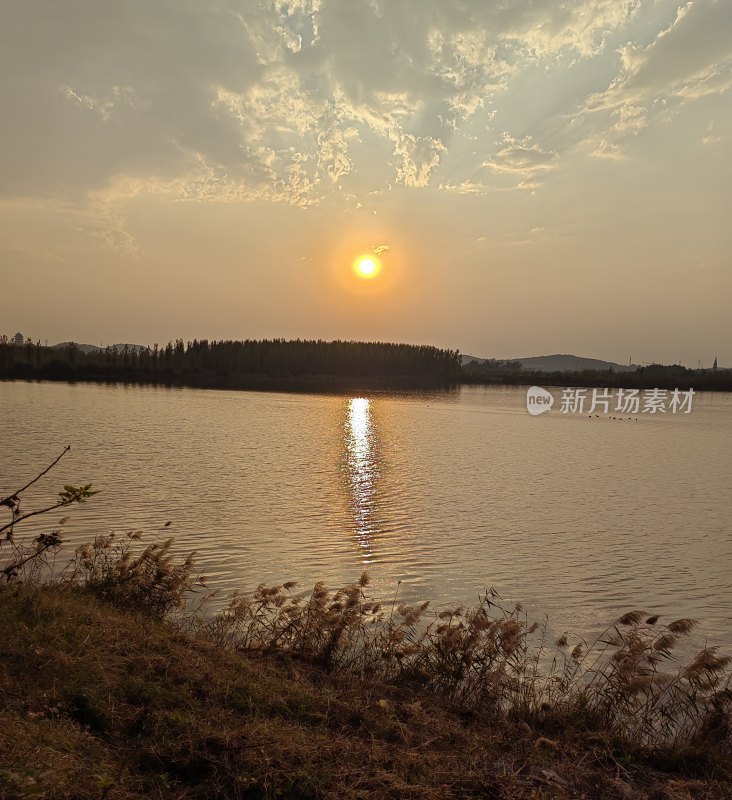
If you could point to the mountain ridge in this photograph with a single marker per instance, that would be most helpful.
(557, 362)
(93, 348)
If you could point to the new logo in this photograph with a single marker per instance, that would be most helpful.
(538, 400)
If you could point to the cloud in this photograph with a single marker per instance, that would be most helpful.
(292, 101)
(95, 90)
(149, 84)
(333, 156)
(534, 29)
(713, 136)
(608, 150)
(687, 60)
(717, 81)
(629, 118)
(685, 53)
(465, 187)
(418, 158)
(522, 159)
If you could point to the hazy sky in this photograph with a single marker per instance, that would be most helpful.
(541, 177)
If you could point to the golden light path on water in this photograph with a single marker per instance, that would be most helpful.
(362, 473)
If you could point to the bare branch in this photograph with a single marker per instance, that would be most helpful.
(14, 567)
(69, 496)
(20, 518)
(6, 501)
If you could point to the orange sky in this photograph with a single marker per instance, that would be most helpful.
(535, 177)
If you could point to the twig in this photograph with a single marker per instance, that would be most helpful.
(12, 568)
(5, 500)
(20, 518)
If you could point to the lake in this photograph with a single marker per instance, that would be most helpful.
(439, 495)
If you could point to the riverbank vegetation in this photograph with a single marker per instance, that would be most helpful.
(316, 365)
(650, 376)
(271, 363)
(114, 685)
(101, 701)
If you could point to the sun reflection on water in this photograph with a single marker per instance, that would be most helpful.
(362, 472)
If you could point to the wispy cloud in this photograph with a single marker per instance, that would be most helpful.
(689, 59)
(522, 159)
(608, 150)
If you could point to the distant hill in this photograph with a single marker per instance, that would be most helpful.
(85, 348)
(559, 363)
(569, 363)
(92, 348)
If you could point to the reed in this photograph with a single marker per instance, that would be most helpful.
(103, 677)
(632, 681)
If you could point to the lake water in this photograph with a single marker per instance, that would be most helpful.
(580, 518)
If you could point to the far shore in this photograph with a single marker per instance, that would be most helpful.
(320, 366)
(346, 383)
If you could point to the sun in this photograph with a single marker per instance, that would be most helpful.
(366, 267)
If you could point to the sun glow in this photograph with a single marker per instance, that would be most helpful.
(367, 267)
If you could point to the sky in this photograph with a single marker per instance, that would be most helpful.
(534, 176)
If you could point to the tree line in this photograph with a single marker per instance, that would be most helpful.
(233, 362)
(309, 363)
(652, 376)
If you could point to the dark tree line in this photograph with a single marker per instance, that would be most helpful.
(314, 364)
(204, 362)
(658, 376)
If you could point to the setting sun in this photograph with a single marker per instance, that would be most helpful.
(366, 267)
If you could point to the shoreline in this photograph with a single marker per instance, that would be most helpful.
(327, 384)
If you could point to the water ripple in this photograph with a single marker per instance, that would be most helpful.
(448, 493)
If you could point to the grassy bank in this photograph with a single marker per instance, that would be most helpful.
(99, 701)
(112, 687)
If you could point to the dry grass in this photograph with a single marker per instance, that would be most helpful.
(150, 578)
(629, 682)
(102, 702)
